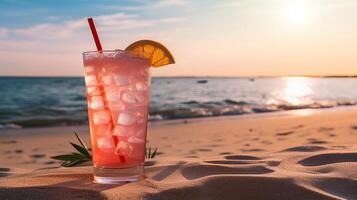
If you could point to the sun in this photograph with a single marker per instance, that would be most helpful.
(297, 12)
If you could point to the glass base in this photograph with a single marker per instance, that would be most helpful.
(118, 175)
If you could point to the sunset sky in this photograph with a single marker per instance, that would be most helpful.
(207, 37)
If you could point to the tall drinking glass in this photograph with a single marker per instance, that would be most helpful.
(118, 91)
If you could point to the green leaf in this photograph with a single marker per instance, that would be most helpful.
(73, 163)
(81, 149)
(81, 155)
(75, 158)
(68, 157)
(80, 141)
(149, 153)
(153, 153)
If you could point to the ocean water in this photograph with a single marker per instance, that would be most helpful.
(38, 102)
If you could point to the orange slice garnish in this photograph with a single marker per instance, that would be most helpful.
(157, 53)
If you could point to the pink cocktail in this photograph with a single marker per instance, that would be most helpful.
(118, 91)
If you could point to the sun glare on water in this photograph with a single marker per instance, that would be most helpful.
(295, 91)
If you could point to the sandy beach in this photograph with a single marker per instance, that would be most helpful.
(293, 155)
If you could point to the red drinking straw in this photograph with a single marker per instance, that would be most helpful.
(99, 48)
(95, 34)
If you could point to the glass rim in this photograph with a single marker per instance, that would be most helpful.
(119, 51)
(106, 50)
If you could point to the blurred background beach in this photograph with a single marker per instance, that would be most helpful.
(256, 46)
(43, 102)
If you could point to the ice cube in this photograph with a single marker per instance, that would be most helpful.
(105, 143)
(122, 131)
(123, 148)
(117, 106)
(89, 69)
(128, 98)
(135, 140)
(140, 133)
(121, 80)
(133, 97)
(91, 80)
(112, 94)
(93, 90)
(108, 80)
(101, 117)
(140, 113)
(104, 129)
(97, 103)
(140, 86)
(141, 118)
(144, 72)
(126, 119)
